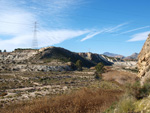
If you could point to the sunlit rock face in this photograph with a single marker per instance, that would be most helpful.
(144, 61)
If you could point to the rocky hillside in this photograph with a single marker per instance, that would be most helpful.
(134, 56)
(19, 56)
(50, 59)
(28, 60)
(62, 55)
(144, 61)
(47, 59)
(116, 62)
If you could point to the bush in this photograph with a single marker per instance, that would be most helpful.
(126, 105)
(144, 91)
(99, 68)
(98, 76)
(79, 65)
(130, 102)
(133, 89)
(139, 91)
(5, 50)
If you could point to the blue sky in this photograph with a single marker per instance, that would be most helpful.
(98, 26)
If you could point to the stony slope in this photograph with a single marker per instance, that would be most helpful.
(26, 60)
(144, 61)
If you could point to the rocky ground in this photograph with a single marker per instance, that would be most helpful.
(18, 86)
(24, 86)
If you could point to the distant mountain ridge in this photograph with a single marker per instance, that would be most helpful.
(113, 55)
(134, 56)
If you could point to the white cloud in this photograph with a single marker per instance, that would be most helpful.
(17, 17)
(135, 30)
(17, 22)
(45, 38)
(14, 11)
(58, 36)
(116, 28)
(139, 36)
(105, 30)
(92, 35)
(14, 20)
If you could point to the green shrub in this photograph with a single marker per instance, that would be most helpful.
(126, 105)
(79, 65)
(98, 76)
(99, 68)
(139, 91)
(133, 89)
(144, 91)
(130, 101)
(111, 108)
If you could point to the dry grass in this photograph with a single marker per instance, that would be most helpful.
(82, 101)
(121, 77)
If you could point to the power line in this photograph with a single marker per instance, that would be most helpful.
(15, 23)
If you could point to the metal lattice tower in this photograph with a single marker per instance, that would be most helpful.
(35, 40)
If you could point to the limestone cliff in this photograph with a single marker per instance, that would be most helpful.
(144, 61)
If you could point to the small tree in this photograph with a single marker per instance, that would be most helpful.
(5, 50)
(79, 65)
(99, 70)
